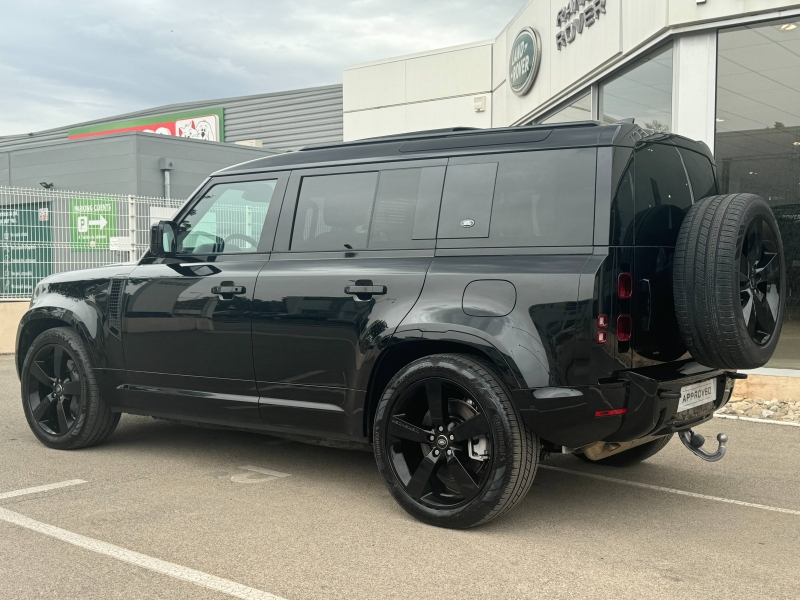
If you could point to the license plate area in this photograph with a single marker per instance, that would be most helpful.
(697, 394)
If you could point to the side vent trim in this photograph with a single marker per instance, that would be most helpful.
(115, 304)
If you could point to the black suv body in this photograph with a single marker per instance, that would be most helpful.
(290, 291)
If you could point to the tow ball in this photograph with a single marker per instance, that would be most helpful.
(694, 442)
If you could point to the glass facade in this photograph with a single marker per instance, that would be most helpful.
(580, 110)
(643, 93)
(758, 141)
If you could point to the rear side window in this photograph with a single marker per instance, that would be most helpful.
(391, 209)
(406, 207)
(545, 198)
(333, 212)
(662, 195)
(701, 174)
(539, 198)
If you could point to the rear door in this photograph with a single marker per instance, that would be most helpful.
(187, 320)
(350, 257)
(663, 195)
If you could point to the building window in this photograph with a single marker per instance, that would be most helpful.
(643, 93)
(758, 142)
(579, 110)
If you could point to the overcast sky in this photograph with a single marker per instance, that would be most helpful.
(64, 62)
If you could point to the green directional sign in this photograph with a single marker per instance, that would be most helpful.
(92, 221)
(25, 247)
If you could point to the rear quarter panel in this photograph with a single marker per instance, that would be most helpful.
(537, 338)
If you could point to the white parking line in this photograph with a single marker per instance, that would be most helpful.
(231, 588)
(40, 488)
(658, 488)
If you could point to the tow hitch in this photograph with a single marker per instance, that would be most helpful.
(694, 442)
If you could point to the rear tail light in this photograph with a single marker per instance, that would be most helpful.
(625, 286)
(611, 413)
(624, 327)
(602, 337)
(602, 321)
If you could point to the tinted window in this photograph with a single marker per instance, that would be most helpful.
(662, 195)
(545, 198)
(701, 175)
(229, 218)
(333, 212)
(407, 207)
(467, 201)
(622, 204)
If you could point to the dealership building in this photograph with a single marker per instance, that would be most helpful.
(726, 72)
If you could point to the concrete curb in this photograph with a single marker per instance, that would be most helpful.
(752, 420)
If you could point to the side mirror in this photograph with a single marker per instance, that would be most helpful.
(164, 239)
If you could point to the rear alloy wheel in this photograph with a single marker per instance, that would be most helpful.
(59, 393)
(449, 443)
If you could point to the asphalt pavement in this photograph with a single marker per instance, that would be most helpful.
(171, 511)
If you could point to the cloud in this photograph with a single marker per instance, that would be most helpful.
(67, 62)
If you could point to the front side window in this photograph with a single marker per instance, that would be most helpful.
(229, 218)
(643, 94)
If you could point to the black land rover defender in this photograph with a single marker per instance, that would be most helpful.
(465, 301)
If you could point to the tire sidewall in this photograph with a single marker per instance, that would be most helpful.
(755, 209)
(73, 345)
(502, 462)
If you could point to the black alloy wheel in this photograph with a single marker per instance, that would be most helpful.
(55, 390)
(760, 281)
(450, 443)
(60, 393)
(439, 443)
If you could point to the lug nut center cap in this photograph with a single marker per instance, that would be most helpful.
(441, 441)
(58, 388)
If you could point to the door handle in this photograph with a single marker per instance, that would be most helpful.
(365, 292)
(228, 290)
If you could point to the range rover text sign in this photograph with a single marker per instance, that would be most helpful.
(526, 56)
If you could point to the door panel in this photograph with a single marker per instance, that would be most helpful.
(321, 317)
(187, 331)
(315, 344)
(195, 340)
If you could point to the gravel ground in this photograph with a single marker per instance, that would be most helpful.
(773, 410)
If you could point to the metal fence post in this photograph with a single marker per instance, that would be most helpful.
(132, 230)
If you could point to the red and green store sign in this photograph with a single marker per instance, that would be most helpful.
(204, 124)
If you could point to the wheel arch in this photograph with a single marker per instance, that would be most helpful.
(409, 346)
(39, 320)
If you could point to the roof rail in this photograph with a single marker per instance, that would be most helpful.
(451, 131)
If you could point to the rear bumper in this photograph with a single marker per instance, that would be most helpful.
(567, 416)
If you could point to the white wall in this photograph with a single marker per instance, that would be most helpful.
(418, 92)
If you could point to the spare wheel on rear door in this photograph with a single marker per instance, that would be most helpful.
(729, 280)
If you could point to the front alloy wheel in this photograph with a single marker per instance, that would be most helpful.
(54, 390)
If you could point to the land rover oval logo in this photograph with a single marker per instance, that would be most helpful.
(526, 56)
(467, 223)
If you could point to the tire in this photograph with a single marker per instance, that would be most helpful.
(78, 418)
(632, 456)
(476, 413)
(729, 280)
